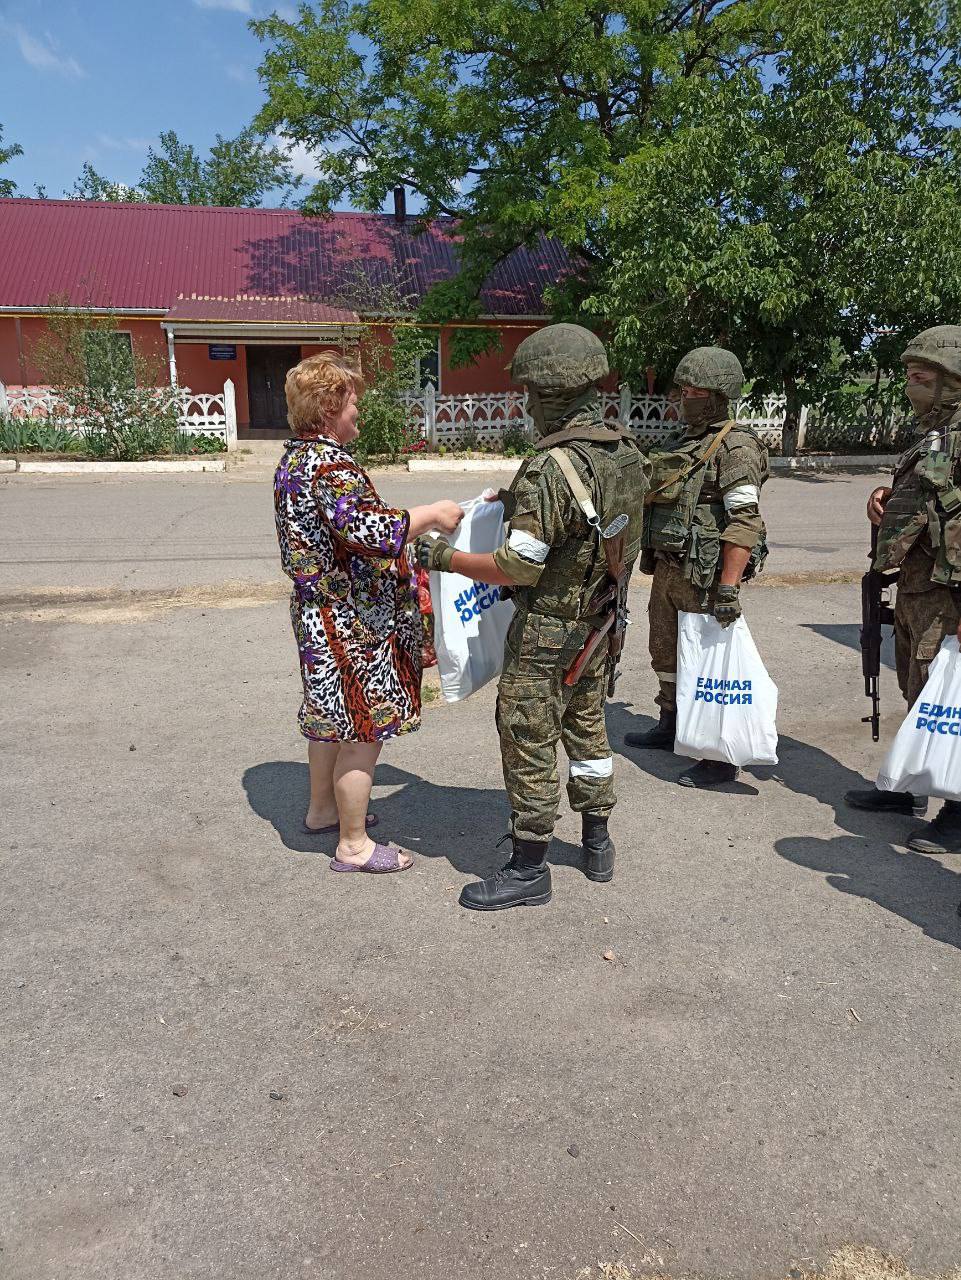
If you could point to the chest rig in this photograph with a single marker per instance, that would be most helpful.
(684, 514)
(924, 507)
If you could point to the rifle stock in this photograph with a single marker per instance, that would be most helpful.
(612, 597)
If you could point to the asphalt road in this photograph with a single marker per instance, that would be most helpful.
(767, 1069)
(136, 533)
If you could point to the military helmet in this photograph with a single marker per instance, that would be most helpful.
(561, 357)
(940, 346)
(711, 369)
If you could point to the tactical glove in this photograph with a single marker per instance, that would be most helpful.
(435, 553)
(727, 605)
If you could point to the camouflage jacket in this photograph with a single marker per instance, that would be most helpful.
(923, 512)
(552, 552)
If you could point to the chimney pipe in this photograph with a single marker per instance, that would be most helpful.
(400, 205)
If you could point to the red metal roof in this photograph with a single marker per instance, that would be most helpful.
(258, 311)
(146, 256)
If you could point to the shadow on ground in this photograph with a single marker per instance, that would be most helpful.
(869, 860)
(461, 824)
(848, 634)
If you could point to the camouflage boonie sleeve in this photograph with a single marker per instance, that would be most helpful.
(741, 471)
(544, 515)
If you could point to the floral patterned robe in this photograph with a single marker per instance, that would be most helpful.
(354, 605)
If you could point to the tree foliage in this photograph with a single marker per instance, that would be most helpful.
(777, 175)
(390, 347)
(7, 153)
(105, 384)
(238, 171)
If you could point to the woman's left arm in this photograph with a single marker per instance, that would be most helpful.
(355, 512)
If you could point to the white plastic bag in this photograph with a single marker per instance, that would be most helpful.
(925, 756)
(470, 618)
(726, 701)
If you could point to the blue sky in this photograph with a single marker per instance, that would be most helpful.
(98, 80)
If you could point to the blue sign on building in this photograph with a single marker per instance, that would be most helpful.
(221, 351)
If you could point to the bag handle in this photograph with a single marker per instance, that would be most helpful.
(702, 461)
(581, 496)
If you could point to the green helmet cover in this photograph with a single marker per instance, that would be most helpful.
(560, 357)
(939, 346)
(711, 369)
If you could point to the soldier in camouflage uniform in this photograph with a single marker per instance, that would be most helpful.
(703, 533)
(920, 534)
(553, 563)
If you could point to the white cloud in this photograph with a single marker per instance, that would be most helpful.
(110, 143)
(43, 54)
(304, 162)
(235, 6)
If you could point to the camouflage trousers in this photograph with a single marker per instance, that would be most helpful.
(671, 594)
(921, 621)
(536, 711)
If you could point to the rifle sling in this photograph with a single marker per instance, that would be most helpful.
(576, 486)
(701, 461)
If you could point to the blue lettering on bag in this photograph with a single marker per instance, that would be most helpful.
(476, 600)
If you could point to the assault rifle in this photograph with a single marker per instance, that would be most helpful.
(610, 601)
(876, 612)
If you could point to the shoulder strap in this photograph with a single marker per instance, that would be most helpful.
(700, 461)
(576, 485)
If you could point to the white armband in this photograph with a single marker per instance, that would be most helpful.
(744, 495)
(528, 547)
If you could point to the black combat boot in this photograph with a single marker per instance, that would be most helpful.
(943, 835)
(524, 882)
(876, 801)
(598, 848)
(660, 738)
(708, 773)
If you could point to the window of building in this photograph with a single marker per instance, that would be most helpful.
(429, 368)
(109, 357)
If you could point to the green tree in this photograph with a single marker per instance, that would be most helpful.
(92, 185)
(7, 153)
(108, 388)
(771, 174)
(390, 345)
(238, 171)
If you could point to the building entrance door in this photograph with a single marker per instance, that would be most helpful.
(266, 370)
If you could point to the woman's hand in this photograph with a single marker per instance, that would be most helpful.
(436, 517)
(446, 515)
(876, 504)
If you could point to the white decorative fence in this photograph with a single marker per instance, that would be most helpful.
(483, 419)
(199, 413)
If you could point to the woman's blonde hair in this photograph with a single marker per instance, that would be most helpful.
(317, 390)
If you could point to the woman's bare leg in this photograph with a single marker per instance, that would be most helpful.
(322, 809)
(353, 779)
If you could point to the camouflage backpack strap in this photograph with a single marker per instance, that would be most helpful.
(699, 461)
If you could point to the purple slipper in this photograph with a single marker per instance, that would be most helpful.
(385, 858)
(370, 821)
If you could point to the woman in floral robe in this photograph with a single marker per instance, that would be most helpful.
(354, 607)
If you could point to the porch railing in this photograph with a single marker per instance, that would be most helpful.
(198, 413)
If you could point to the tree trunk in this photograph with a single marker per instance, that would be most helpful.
(791, 432)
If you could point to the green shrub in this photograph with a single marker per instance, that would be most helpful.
(37, 435)
(385, 425)
(517, 442)
(188, 442)
(859, 418)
